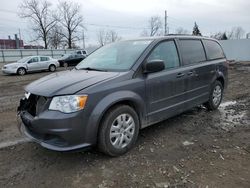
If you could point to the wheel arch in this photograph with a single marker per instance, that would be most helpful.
(221, 80)
(132, 99)
(52, 64)
(22, 67)
(219, 77)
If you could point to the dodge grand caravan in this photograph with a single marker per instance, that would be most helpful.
(121, 88)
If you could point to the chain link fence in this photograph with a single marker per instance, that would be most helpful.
(11, 55)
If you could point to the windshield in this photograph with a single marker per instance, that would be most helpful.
(23, 60)
(119, 56)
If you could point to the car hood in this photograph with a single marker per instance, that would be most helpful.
(67, 82)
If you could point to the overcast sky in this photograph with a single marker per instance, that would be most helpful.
(129, 17)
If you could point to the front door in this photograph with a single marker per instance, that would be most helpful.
(165, 90)
(33, 64)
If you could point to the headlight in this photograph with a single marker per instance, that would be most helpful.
(68, 103)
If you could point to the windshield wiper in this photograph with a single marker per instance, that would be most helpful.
(90, 69)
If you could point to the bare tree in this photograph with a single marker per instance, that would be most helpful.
(248, 35)
(220, 36)
(239, 32)
(70, 20)
(55, 37)
(181, 30)
(155, 25)
(105, 37)
(144, 33)
(217, 35)
(236, 33)
(101, 37)
(40, 16)
(112, 36)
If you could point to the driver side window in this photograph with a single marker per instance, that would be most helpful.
(167, 52)
(33, 60)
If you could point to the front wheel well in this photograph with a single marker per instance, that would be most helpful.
(124, 102)
(221, 80)
(52, 64)
(21, 68)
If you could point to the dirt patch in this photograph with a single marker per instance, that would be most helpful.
(195, 149)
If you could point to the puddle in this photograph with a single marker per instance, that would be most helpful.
(232, 114)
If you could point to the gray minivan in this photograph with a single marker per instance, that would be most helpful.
(121, 88)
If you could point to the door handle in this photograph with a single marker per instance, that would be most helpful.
(190, 73)
(179, 75)
(212, 71)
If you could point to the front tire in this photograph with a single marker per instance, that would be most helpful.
(215, 96)
(21, 71)
(119, 130)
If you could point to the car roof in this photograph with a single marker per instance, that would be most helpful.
(171, 36)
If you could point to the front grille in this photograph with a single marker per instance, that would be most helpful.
(35, 104)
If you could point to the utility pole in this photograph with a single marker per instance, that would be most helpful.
(166, 23)
(19, 30)
(83, 39)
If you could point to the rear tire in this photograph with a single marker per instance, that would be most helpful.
(118, 130)
(52, 68)
(21, 71)
(215, 96)
(65, 65)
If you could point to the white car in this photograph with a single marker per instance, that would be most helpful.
(82, 52)
(30, 64)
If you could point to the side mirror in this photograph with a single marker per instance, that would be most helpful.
(156, 65)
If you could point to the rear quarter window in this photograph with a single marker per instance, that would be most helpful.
(213, 50)
(192, 51)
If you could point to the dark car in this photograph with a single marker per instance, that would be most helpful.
(122, 88)
(70, 59)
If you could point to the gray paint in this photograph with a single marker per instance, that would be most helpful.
(145, 92)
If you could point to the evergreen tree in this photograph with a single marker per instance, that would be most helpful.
(224, 36)
(196, 30)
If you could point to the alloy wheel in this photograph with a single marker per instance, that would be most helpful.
(217, 94)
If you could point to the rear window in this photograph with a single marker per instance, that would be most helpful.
(192, 51)
(213, 49)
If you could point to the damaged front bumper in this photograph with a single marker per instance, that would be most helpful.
(52, 129)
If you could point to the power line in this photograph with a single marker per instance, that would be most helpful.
(116, 26)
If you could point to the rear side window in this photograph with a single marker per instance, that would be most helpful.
(44, 58)
(192, 51)
(167, 52)
(213, 49)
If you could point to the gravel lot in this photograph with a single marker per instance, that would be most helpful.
(195, 149)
